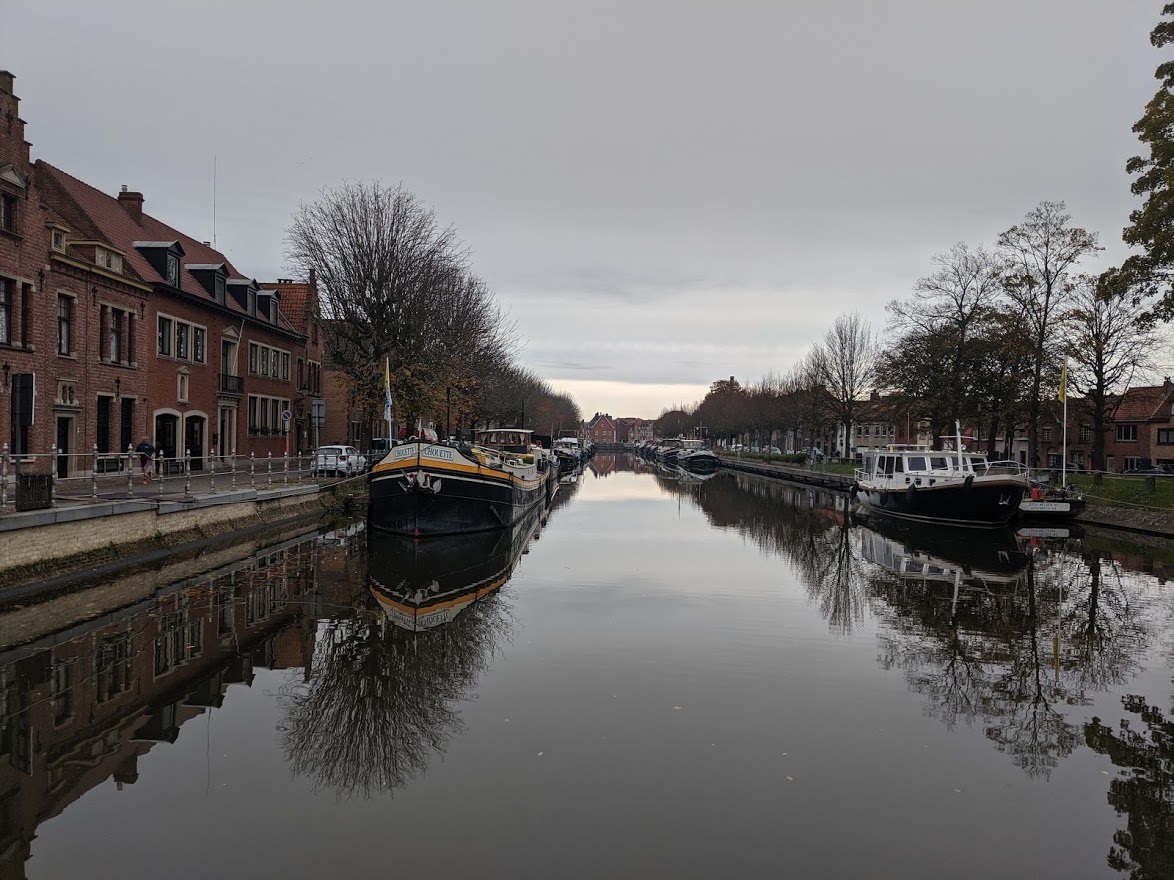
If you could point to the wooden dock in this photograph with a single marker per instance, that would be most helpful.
(811, 476)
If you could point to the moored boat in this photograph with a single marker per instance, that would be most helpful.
(427, 489)
(953, 488)
(695, 456)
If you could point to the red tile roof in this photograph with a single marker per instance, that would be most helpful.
(1143, 404)
(295, 300)
(118, 228)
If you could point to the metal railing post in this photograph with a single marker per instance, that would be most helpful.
(286, 469)
(4, 477)
(157, 463)
(130, 471)
(252, 470)
(269, 457)
(187, 469)
(212, 478)
(94, 476)
(53, 475)
(233, 467)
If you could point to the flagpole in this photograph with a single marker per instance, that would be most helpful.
(1064, 445)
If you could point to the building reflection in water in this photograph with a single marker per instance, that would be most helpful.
(388, 679)
(82, 700)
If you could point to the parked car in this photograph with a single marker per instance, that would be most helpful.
(774, 450)
(338, 461)
(1157, 470)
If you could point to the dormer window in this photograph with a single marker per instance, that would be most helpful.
(252, 307)
(173, 270)
(58, 241)
(107, 259)
(220, 289)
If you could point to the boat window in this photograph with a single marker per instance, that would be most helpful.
(889, 465)
(900, 464)
(917, 462)
(938, 463)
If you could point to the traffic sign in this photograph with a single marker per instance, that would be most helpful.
(285, 416)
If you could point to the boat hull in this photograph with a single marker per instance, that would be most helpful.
(421, 495)
(984, 504)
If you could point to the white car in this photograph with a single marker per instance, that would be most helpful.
(338, 461)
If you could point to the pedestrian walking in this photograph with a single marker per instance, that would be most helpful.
(146, 453)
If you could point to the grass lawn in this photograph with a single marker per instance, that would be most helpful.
(1116, 489)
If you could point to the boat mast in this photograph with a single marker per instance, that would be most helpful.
(958, 435)
(1064, 445)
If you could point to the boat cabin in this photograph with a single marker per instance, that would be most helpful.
(505, 439)
(906, 464)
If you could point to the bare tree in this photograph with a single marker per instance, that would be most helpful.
(1040, 252)
(396, 285)
(849, 355)
(1107, 342)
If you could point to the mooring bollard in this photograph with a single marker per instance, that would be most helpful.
(94, 475)
(232, 467)
(53, 475)
(4, 477)
(287, 469)
(187, 469)
(252, 470)
(269, 456)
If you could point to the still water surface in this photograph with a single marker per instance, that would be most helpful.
(728, 678)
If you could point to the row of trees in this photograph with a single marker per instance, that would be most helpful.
(980, 340)
(395, 286)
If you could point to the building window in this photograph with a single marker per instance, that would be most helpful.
(7, 212)
(173, 270)
(64, 320)
(6, 287)
(115, 351)
(275, 364)
(285, 365)
(1126, 433)
(265, 415)
(164, 341)
(108, 259)
(103, 433)
(219, 288)
(58, 240)
(198, 336)
(112, 668)
(181, 340)
(1165, 436)
(62, 693)
(1085, 433)
(181, 386)
(253, 358)
(1047, 435)
(1129, 463)
(264, 362)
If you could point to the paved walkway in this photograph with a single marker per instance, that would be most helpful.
(205, 485)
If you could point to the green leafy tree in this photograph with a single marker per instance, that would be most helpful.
(1151, 227)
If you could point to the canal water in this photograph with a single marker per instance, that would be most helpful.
(676, 678)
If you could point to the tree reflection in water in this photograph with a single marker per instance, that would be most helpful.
(380, 700)
(1145, 847)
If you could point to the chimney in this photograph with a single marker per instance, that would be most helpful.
(132, 203)
(6, 80)
(313, 279)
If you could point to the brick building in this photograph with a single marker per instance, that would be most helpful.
(1141, 428)
(634, 430)
(115, 326)
(602, 429)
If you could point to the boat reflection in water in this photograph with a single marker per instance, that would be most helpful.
(421, 584)
(926, 553)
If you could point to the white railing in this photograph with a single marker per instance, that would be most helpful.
(93, 475)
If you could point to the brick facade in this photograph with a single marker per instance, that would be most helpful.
(127, 328)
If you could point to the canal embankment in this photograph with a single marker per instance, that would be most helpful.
(1135, 518)
(74, 535)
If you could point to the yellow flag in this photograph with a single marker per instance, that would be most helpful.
(1063, 381)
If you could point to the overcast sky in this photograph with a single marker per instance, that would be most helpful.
(662, 194)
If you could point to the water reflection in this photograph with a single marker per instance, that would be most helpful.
(385, 691)
(103, 675)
